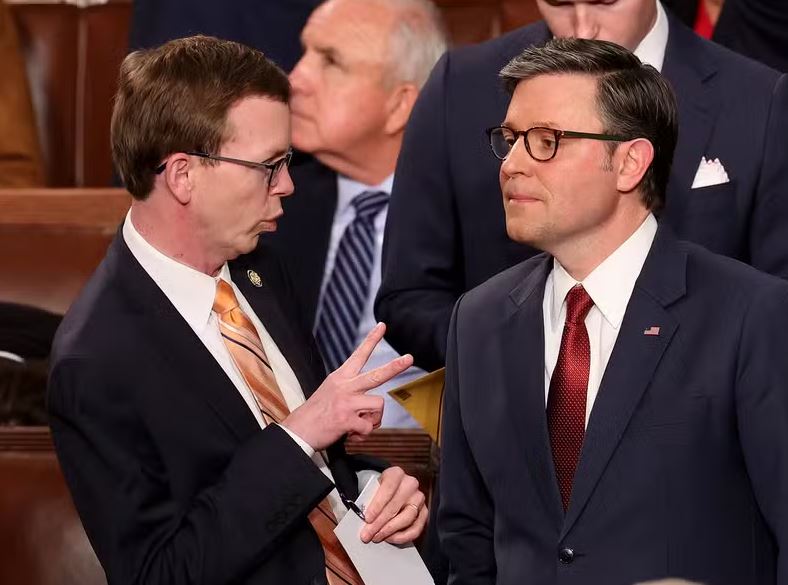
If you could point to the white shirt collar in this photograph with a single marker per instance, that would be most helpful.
(611, 283)
(347, 189)
(190, 291)
(652, 48)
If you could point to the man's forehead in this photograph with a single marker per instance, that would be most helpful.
(559, 87)
(354, 29)
(259, 122)
(550, 99)
(601, 3)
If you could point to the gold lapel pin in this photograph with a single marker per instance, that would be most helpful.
(254, 278)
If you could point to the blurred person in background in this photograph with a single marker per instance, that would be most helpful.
(20, 156)
(364, 64)
(755, 28)
(270, 26)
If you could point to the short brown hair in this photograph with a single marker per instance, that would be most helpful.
(175, 98)
(633, 99)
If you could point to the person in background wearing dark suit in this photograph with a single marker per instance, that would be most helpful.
(616, 408)
(270, 26)
(353, 90)
(191, 413)
(445, 234)
(755, 28)
(20, 156)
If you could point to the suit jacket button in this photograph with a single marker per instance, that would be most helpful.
(566, 555)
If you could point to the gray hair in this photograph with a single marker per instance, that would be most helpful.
(417, 41)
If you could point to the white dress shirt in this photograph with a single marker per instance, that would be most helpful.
(192, 293)
(610, 286)
(651, 49)
(393, 414)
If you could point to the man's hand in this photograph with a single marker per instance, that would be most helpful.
(340, 405)
(397, 513)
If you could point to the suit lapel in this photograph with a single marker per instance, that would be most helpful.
(690, 70)
(632, 364)
(176, 343)
(268, 309)
(523, 343)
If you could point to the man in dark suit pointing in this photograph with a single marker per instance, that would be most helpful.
(616, 408)
(190, 409)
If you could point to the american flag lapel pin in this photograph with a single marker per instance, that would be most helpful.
(653, 330)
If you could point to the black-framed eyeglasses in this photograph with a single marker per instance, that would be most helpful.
(272, 168)
(541, 143)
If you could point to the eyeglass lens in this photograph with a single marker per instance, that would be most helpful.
(276, 169)
(541, 143)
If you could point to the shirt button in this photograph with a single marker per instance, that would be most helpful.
(566, 555)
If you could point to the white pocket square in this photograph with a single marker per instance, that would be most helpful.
(710, 172)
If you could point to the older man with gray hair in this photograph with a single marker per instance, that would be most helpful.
(364, 64)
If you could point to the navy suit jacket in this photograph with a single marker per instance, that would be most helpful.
(173, 479)
(272, 26)
(445, 232)
(684, 467)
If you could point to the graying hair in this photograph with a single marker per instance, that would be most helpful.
(416, 43)
(633, 99)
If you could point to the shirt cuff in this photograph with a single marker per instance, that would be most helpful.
(306, 447)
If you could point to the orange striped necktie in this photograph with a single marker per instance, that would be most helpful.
(242, 341)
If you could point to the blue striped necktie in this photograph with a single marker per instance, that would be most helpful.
(347, 289)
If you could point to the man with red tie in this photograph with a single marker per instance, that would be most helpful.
(616, 408)
(196, 428)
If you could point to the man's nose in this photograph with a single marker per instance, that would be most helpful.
(284, 183)
(298, 75)
(585, 22)
(518, 161)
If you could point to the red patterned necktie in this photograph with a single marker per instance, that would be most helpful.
(247, 351)
(566, 401)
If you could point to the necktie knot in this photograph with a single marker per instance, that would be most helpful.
(225, 299)
(369, 203)
(578, 303)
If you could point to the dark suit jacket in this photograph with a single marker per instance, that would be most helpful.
(684, 467)
(272, 26)
(446, 233)
(303, 234)
(755, 28)
(173, 479)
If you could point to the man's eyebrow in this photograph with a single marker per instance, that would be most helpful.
(329, 52)
(276, 155)
(536, 124)
(546, 124)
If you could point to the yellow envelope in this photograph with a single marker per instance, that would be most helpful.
(423, 399)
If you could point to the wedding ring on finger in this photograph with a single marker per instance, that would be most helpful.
(414, 506)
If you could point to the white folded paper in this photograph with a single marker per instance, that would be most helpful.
(379, 563)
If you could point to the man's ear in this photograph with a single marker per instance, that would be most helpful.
(398, 107)
(179, 177)
(635, 159)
